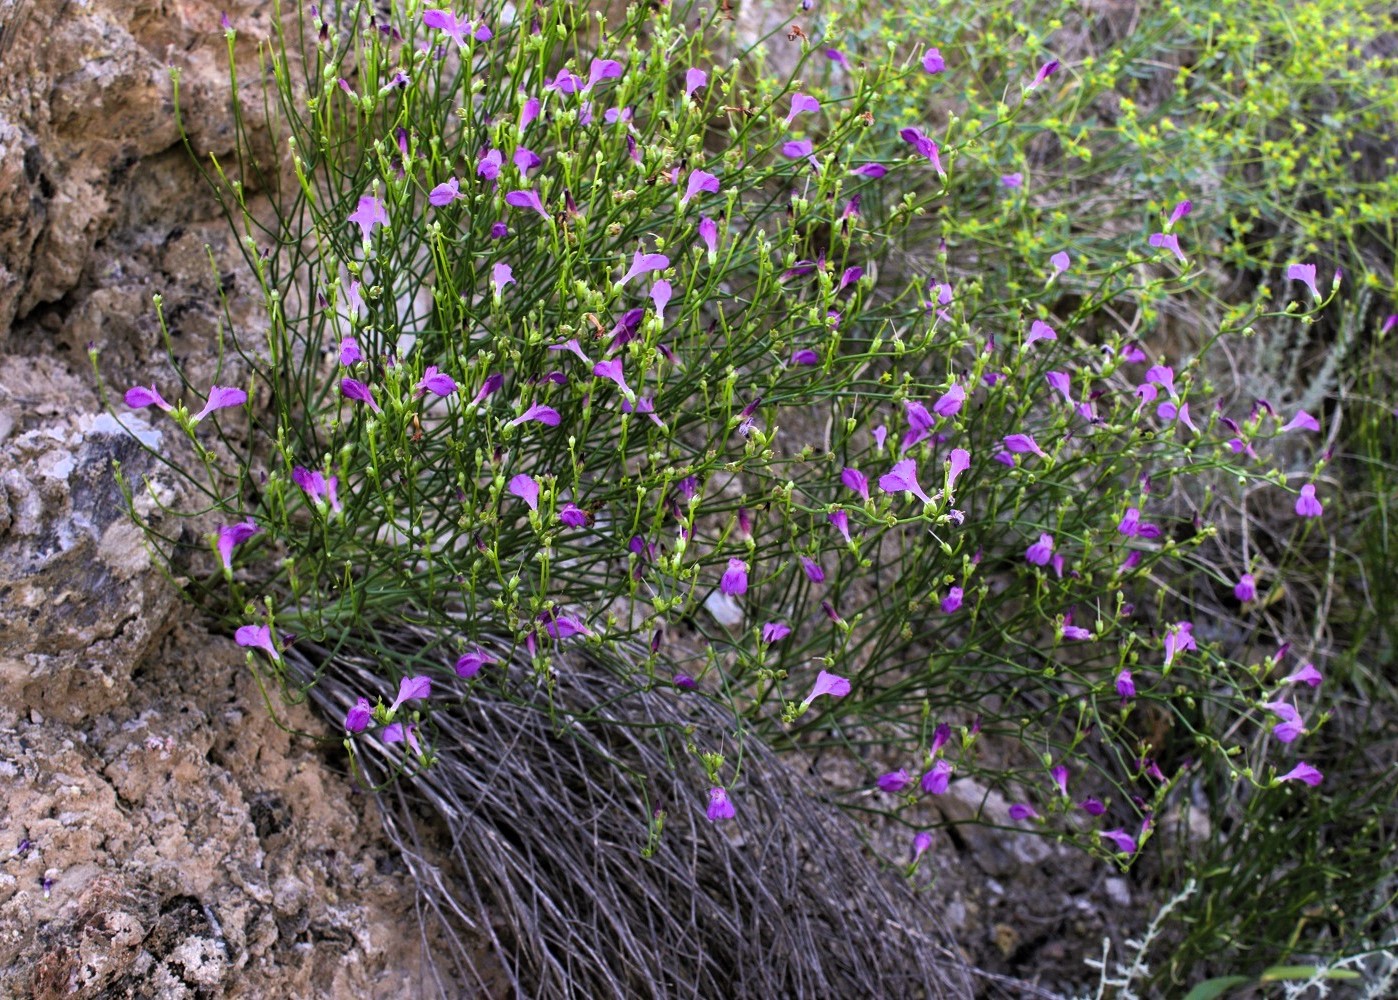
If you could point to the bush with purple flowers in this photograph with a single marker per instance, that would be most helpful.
(619, 353)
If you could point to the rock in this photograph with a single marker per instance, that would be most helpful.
(80, 601)
(185, 846)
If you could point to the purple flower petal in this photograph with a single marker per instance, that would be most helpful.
(138, 397)
(410, 688)
(257, 637)
(469, 664)
(700, 180)
(352, 388)
(1305, 773)
(232, 535)
(357, 719)
(828, 683)
(220, 397)
(526, 199)
(720, 808)
(445, 193)
(526, 487)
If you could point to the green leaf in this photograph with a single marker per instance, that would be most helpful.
(1212, 989)
(1279, 972)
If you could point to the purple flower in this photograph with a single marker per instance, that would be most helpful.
(469, 664)
(459, 30)
(410, 688)
(565, 82)
(368, 214)
(644, 263)
(498, 230)
(922, 842)
(489, 164)
(1179, 639)
(1062, 383)
(957, 462)
(798, 148)
(1245, 589)
(693, 80)
(232, 535)
(949, 404)
(612, 371)
(491, 384)
(952, 602)
(940, 737)
(525, 160)
(1075, 632)
(220, 397)
(1125, 686)
(349, 352)
(575, 348)
(445, 193)
(871, 170)
(399, 733)
(352, 388)
(856, 481)
(800, 103)
(436, 382)
(259, 637)
(602, 69)
(685, 683)
(894, 781)
(1303, 772)
(526, 199)
(708, 232)
(1060, 263)
(836, 56)
(561, 626)
(1039, 330)
(812, 569)
(316, 486)
(1171, 242)
(660, 294)
(925, 145)
(827, 683)
(1045, 71)
(903, 478)
(805, 356)
(841, 522)
(545, 415)
(357, 719)
(938, 778)
(1013, 180)
(1092, 806)
(775, 632)
(1022, 443)
(1303, 420)
(1179, 212)
(1041, 551)
(501, 275)
(1306, 504)
(1308, 674)
(138, 397)
(525, 487)
(735, 579)
(1304, 273)
(572, 515)
(1020, 812)
(719, 806)
(699, 180)
(1120, 839)
(1059, 773)
(1291, 725)
(932, 61)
